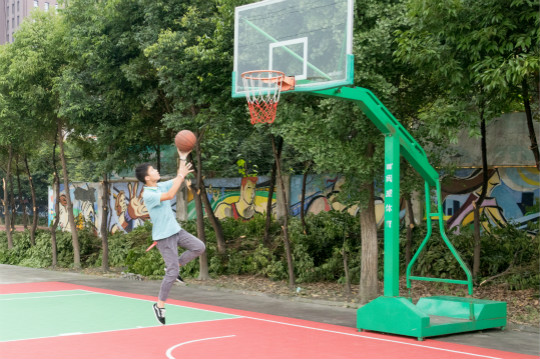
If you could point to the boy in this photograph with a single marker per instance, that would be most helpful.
(166, 231)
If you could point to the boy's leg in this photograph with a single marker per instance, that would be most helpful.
(193, 246)
(169, 251)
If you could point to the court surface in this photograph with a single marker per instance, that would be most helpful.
(62, 320)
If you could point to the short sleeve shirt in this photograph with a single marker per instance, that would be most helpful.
(161, 213)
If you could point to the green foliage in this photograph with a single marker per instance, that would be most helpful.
(318, 252)
(40, 255)
(148, 264)
(503, 250)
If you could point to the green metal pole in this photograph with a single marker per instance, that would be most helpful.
(455, 253)
(391, 215)
(426, 238)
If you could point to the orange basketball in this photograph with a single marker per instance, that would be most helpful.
(185, 140)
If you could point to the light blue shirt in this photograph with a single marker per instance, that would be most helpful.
(161, 213)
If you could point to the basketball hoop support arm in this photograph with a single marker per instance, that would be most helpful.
(380, 314)
(399, 141)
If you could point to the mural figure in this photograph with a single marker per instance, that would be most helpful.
(244, 207)
(85, 198)
(511, 197)
(510, 192)
(129, 209)
(63, 219)
(326, 199)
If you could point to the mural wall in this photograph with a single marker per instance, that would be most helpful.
(127, 207)
(85, 206)
(511, 193)
(239, 198)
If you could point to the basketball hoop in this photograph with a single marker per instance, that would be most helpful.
(263, 88)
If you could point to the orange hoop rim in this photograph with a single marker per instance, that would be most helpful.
(263, 89)
(247, 75)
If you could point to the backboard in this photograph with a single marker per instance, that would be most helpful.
(308, 39)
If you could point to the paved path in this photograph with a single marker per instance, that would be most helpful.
(524, 340)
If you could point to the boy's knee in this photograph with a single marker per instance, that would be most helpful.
(172, 271)
(200, 248)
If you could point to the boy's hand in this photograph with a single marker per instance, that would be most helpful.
(184, 168)
(183, 155)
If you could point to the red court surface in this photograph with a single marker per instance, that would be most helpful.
(250, 335)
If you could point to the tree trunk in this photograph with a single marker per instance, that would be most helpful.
(268, 222)
(478, 203)
(21, 202)
(158, 157)
(71, 217)
(303, 198)
(54, 225)
(35, 214)
(369, 284)
(104, 224)
(203, 259)
(12, 202)
(530, 124)
(6, 199)
(214, 222)
(345, 254)
(285, 219)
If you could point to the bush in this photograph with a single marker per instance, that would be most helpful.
(120, 244)
(501, 249)
(40, 255)
(317, 252)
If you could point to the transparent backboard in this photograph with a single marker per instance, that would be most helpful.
(308, 39)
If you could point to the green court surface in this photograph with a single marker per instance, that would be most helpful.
(71, 312)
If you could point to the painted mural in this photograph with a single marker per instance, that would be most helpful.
(127, 207)
(321, 193)
(239, 198)
(85, 206)
(511, 195)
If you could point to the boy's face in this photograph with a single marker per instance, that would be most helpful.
(153, 175)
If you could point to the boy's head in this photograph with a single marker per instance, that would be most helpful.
(142, 171)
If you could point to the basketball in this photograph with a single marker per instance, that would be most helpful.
(185, 140)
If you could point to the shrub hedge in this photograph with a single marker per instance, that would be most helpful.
(317, 251)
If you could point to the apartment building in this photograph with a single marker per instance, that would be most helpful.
(12, 13)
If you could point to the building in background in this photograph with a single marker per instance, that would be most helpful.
(12, 13)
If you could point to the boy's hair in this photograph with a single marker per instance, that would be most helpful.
(142, 171)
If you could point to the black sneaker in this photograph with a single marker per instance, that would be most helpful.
(160, 313)
(180, 281)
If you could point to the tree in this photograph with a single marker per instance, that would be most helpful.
(339, 138)
(9, 131)
(191, 57)
(504, 42)
(477, 51)
(37, 59)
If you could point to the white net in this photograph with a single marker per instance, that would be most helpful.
(262, 93)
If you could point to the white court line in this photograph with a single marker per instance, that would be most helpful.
(276, 322)
(89, 292)
(380, 339)
(170, 356)
(176, 305)
(117, 330)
